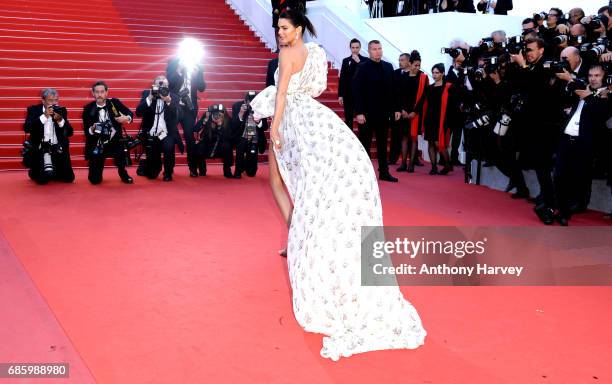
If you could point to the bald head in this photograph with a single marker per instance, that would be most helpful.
(577, 30)
(571, 54)
(575, 14)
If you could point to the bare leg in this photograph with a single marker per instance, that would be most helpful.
(282, 200)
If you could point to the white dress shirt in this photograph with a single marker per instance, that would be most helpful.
(49, 127)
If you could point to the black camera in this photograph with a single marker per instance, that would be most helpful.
(159, 90)
(596, 22)
(578, 84)
(185, 99)
(480, 116)
(216, 111)
(59, 110)
(453, 52)
(558, 66)
(26, 153)
(540, 16)
(560, 39)
(515, 45)
(48, 150)
(577, 40)
(104, 129)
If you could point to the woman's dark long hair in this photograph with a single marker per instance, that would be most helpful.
(298, 19)
(414, 56)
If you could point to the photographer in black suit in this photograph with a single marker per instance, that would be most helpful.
(159, 111)
(586, 126)
(103, 121)
(46, 151)
(539, 121)
(375, 104)
(248, 135)
(186, 79)
(345, 87)
(214, 139)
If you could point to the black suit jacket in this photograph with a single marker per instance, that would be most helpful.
(36, 129)
(347, 72)
(90, 117)
(148, 114)
(373, 90)
(502, 7)
(176, 80)
(595, 113)
(272, 66)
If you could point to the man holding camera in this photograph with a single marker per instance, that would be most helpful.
(186, 80)
(159, 111)
(541, 118)
(46, 152)
(103, 121)
(586, 125)
(250, 138)
(213, 139)
(375, 104)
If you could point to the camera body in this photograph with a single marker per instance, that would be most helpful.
(104, 130)
(515, 45)
(159, 90)
(59, 110)
(558, 66)
(578, 84)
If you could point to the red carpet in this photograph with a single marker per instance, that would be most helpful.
(209, 301)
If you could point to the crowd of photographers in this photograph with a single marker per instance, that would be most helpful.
(171, 101)
(540, 101)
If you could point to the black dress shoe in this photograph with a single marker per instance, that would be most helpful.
(410, 169)
(509, 187)
(237, 176)
(228, 175)
(193, 173)
(127, 179)
(445, 171)
(168, 178)
(202, 172)
(388, 177)
(545, 214)
(456, 162)
(418, 163)
(403, 168)
(434, 171)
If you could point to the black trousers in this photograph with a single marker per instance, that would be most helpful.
(96, 162)
(245, 160)
(349, 113)
(456, 134)
(573, 173)
(154, 157)
(62, 164)
(380, 127)
(507, 163)
(187, 119)
(223, 151)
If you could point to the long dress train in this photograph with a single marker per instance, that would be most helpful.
(334, 190)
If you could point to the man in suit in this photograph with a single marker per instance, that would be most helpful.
(401, 127)
(579, 68)
(103, 121)
(375, 104)
(186, 80)
(49, 130)
(539, 121)
(158, 108)
(249, 142)
(574, 161)
(457, 119)
(497, 7)
(345, 87)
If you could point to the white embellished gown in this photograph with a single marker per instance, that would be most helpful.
(334, 191)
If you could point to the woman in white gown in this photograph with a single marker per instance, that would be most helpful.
(334, 191)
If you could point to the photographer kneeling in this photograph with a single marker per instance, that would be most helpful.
(159, 111)
(213, 139)
(46, 152)
(251, 140)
